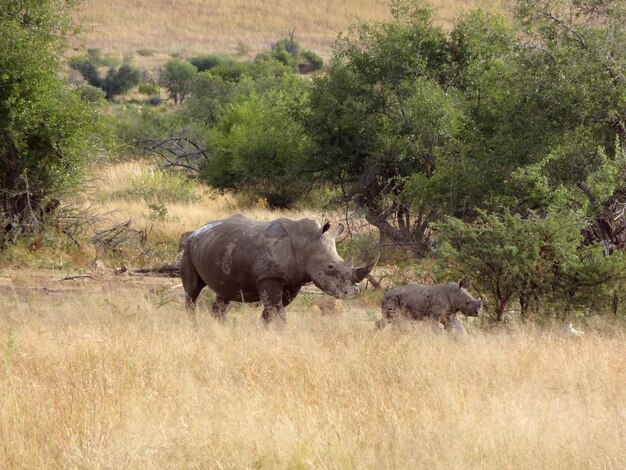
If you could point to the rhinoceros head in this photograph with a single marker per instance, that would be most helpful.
(464, 300)
(326, 268)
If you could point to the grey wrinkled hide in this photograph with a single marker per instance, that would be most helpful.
(245, 260)
(439, 302)
(183, 240)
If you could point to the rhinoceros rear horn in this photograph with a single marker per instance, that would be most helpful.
(358, 274)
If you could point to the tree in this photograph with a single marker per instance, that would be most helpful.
(47, 133)
(257, 146)
(383, 113)
(178, 76)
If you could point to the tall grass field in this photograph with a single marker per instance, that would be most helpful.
(120, 379)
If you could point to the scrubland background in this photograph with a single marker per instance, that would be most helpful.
(104, 370)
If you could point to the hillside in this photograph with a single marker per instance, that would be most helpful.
(228, 26)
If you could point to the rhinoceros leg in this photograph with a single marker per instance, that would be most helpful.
(192, 283)
(458, 324)
(271, 292)
(452, 320)
(289, 295)
(219, 307)
(388, 311)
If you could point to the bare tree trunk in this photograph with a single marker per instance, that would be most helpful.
(401, 236)
(10, 178)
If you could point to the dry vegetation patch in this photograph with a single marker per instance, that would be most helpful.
(120, 379)
(227, 26)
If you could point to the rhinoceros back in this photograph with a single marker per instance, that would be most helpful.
(233, 254)
(412, 299)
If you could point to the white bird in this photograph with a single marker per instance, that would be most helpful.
(572, 331)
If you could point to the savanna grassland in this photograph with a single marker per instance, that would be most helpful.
(100, 368)
(119, 379)
(224, 26)
(106, 372)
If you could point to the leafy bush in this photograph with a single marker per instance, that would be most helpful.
(537, 260)
(149, 88)
(210, 96)
(257, 144)
(230, 71)
(91, 93)
(136, 125)
(116, 81)
(207, 62)
(314, 60)
(95, 55)
(88, 70)
(48, 134)
(120, 81)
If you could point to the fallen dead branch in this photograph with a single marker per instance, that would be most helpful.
(168, 270)
(80, 276)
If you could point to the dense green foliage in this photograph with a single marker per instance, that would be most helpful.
(288, 52)
(498, 145)
(536, 260)
(117, 80)
(47, 132)
(258, 147)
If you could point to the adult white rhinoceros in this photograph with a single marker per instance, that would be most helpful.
(245, 260)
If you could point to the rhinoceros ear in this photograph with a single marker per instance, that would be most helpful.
(325, 227)
(463, 284)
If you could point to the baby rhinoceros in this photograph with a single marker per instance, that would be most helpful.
(438, 302)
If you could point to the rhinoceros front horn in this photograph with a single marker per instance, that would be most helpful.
(358, 274)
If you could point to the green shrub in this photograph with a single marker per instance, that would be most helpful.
(88, 70)
(537, 260)
(209, 61)
(314, 60)
(230, 71)
(257, 144)
(137, 124)
(150, 88)
(120, 81)
(91, 93)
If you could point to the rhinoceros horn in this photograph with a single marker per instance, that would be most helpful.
(358, 274)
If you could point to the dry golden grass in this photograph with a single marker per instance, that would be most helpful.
(220, 26)
(110, 180)
(112, 380)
